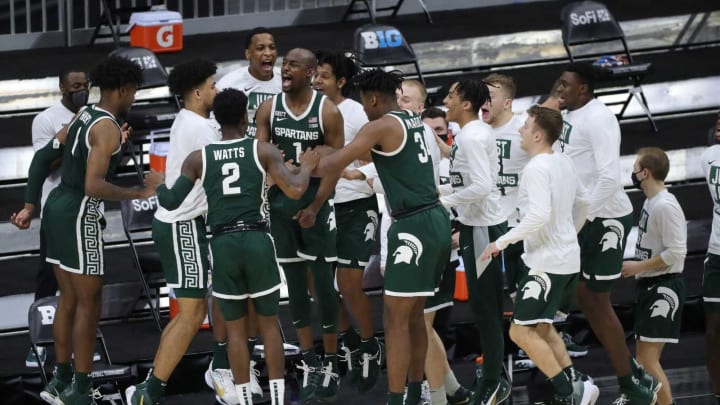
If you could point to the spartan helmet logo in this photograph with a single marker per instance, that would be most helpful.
(539, 286)
(371, 226)
(666, 305)
(613, 237)
(412, 246)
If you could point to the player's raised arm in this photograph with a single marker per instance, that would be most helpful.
(293, 184)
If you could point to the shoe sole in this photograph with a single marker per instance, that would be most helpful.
(48, 397)
(129, 391)
(591, 394)
(208, 380)
(577, 354)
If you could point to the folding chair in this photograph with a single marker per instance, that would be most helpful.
(384, 45)
(589, 23)
(137, 216)
(40, 322)
(371, 8)
(112, 17)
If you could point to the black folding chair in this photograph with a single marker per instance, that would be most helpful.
(383, 45)
(586, 24)
(371, 9)
(112, 18)
(41, 315)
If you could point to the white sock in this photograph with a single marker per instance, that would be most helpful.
(277, 391)
(438, 396)
(451, 383)
(243, 392)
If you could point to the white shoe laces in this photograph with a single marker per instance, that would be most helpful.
(307, 370)
(622, 400)
(366, 359)
(255, 387)
(328, 375)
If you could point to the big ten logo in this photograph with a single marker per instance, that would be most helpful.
(503, 148)
(590, 17)
(145, 204)
(47, 314)
(164, 36)
(382, 39)
(146, 62)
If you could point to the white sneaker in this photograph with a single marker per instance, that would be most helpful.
(255, 387)
(221, 381)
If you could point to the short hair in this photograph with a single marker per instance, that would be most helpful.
(433, 112)
(418, 85)
(378, 80)
(548, 120)
(65, 72)
(115, 72)
(230, 107)
(504, 81)
(188, 75)
(585, 71)
(256, 31)
(655, 160)
(474, 91)
(342, 67)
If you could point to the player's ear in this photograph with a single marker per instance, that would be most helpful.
(341, 82)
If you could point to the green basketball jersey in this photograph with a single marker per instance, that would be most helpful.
(234, 182)
(407, 173)
(77, 148)
(293, 134)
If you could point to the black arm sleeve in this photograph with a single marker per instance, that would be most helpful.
(172, 198)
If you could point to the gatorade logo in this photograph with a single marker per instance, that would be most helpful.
(382, 39)
(164, 36)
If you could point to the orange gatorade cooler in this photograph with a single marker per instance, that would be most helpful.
(461, 289)
(159, 31)
(158, 154)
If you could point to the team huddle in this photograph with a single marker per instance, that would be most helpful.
(281, 167)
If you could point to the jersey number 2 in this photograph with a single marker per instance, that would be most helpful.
(231, 171)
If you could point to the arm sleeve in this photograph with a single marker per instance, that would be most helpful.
(40, 168)
(606, 150)
(538, 211)
(171, 198)
(481, 181)
(674, 233)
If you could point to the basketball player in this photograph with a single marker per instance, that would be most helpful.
(232, 172)
(554, 207)
(419, 237)
(591, 137)
(73, 222)
(305, 231)
(660, 257)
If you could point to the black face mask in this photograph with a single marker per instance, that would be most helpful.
(635, 180)
(79, 98)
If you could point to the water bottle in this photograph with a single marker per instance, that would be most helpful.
(478, 372)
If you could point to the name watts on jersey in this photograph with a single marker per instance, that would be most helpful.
(227, 154)
(298, 134)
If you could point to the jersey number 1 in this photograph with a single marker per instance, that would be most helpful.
(231, 171)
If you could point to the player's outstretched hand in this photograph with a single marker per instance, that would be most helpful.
(22, 218)
(306, 217)
(309, 159)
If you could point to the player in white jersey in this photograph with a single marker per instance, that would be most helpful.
(497, 112)
(357, 217)
(554, 208)
(710, 162)
(180, 238)
(260, 80)
(474, 176)
(659, 261)
(591, 137)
